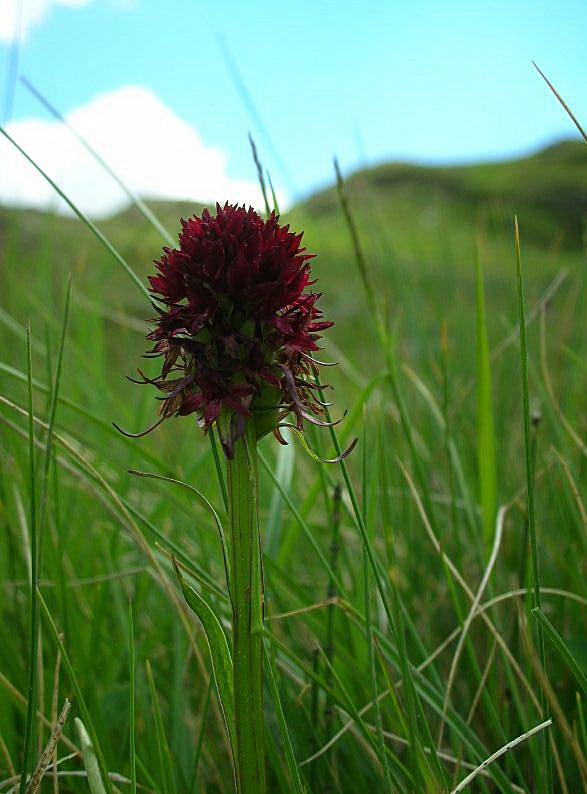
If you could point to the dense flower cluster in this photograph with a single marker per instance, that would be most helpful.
(237, 325)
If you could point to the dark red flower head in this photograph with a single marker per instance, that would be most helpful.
(238, 323)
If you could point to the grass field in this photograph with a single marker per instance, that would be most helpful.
(402, 650)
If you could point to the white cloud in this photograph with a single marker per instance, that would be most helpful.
(157, 154)
(18, 16)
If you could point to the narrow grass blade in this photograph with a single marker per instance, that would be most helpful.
(218, 466)
(162, 745)
(90, 759)
(470, 616)
(357, 248)
(373, 675)
(273, 196)
(530, 485)
(83, 412)
(562, 101)
(54, 399)
(131, 703)
(200, 742)
(34, 611)
(505, 749)
(260, 175)
(331, 594)
(252, 109)
(485, 429)
(562, 648)
(292, 765)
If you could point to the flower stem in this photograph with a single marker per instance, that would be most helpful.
(247, 618)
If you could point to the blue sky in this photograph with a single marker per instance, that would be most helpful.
(366, 81)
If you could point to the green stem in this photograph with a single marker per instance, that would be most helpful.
(34, 622)
(247, 617)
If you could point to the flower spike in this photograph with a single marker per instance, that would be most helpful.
(237, 325)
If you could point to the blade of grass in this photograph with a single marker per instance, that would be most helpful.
(131, 702)
(292, 764)
(91, 762)
(291, 536)
(260, 175)
(252, 109)
(562, 648)
(373, 675)
(207, 504)
(485, 429)
(200, 741)
(331, 594)
(54, 398)
(84, 413)
(502, 750)
(273, 196)
(162, 744)
(219, 468)
(34, 607)
(530, 487)
(358, 250)
(562, 101)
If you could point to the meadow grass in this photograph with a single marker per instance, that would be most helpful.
(425, 597)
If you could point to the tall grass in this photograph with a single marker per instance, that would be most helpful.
(398, 651)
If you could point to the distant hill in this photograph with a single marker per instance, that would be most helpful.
(548, 190)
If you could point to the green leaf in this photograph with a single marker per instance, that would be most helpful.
(219, 650)
(90, 760)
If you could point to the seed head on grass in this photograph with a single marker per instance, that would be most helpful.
(237, 325)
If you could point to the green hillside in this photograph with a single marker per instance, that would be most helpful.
(547, 189)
